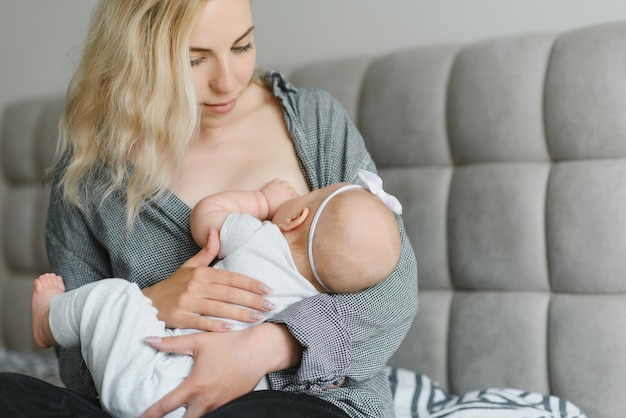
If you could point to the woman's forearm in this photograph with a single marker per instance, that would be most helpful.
(276, 348)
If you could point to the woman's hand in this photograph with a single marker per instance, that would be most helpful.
(226, 366)
(195, 290)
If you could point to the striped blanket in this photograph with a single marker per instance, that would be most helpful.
(417, 396)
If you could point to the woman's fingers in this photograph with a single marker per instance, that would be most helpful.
(196, 402)
(213, 244)
(203, 258)
(223, 370)
(217, 299)
(179, 344)
(173, 400)
(196, 290)
(229, 279)
(182, 394)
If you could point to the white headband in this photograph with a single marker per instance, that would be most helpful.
(375, 185)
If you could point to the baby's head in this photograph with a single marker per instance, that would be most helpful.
(351, 237)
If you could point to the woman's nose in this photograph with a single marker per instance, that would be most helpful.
(223, 79)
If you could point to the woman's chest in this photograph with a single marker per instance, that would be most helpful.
(245, 162)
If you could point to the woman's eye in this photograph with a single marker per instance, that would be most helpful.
(244, 48)
(195, 62)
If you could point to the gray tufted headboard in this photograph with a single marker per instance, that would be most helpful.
(509, 156)
(29, 135)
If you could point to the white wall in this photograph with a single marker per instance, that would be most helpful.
(36, 42)
(290, 32)
(37, 36)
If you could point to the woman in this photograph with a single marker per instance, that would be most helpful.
(165, 109)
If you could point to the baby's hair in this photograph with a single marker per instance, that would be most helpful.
(358, 242)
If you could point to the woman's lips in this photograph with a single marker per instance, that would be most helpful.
(224, 107)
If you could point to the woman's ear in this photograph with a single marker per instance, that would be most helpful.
(294, 221)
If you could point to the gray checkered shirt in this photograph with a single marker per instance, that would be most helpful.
(347, 336)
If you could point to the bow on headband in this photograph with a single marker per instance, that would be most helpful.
(375, 185)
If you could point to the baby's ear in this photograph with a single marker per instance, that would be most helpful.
(294, 221)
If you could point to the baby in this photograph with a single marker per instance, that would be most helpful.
(338, 239)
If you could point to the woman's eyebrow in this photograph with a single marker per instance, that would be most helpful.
(250, 29)
(198, 49)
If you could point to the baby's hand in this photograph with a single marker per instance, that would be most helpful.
(276, 193)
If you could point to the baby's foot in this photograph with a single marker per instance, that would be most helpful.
(46, 287)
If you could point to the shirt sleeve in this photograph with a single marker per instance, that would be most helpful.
(74, 254)
(346, 336)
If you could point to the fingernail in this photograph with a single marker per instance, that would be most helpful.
(268, 306)
(153, 340)
(227, 326)
(256, 316)
(265, 289)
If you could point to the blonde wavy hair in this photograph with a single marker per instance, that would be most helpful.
(131, 99)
